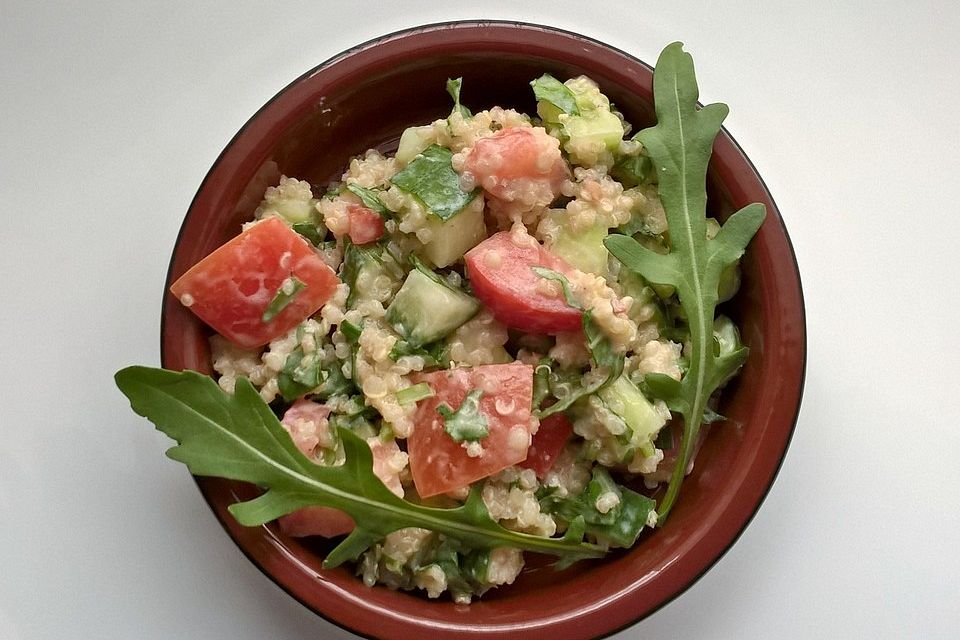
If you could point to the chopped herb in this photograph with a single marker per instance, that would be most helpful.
(415, 393)
(309, 231)
(620, 526)
(350, 331)
(551, 90)
(371, 200)
(288, 290)
(434, 355)
(466, 423)
(453, 88)
(431, 179)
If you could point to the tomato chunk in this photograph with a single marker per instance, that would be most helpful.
(438, 463)
(232, 287)
(499, 269)
(366, 225)
(547, 443)
(306, 422)
(518, 164)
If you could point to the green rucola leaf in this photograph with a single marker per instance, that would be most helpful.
(238, 437)
(680, 146)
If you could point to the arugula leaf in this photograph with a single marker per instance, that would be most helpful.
(370, 199)
(453, 88)
(239, 438)
(289, 289)
(551, 90)
(466, 423)
(680, 146)
(601, 350)
(431, 179)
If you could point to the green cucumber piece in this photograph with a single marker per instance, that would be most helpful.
(427, 309)
(454, 237)
(624, 399)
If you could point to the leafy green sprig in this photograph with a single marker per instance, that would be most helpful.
(680, 146)
(239, 438)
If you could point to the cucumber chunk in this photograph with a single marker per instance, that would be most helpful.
(624, 399)
(454, 237)
(427, 309)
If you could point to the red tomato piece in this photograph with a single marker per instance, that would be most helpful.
(547, 443)
(306, 422)
(499, 269)
(438, 463)
(231, 287)
(518, 164)
(366, 225)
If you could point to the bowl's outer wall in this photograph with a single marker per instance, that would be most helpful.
(363, 99)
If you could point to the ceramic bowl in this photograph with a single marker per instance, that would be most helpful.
(364, 98)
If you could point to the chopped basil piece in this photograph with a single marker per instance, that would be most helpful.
(370, 199)
(289, 289)
(431, 179)
(551, 90)
(309, 231)
(466, 423)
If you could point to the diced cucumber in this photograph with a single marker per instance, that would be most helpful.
(413, 140)
(426, 309)
(624, 399)
(584, 250)
(592, 128)
(454, 237)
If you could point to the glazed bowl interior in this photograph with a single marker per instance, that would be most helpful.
(364, 99)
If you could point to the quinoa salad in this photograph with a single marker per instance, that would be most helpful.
(455, 307)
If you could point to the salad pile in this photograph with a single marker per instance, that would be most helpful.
(501, 339)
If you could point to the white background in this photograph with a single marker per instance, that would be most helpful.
(110, 116)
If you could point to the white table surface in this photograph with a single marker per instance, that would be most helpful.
(111, 114)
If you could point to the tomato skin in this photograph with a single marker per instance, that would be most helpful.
(231, 287)
(517, 164)
(366, 225)
(438, 463)
(547, 443)
(499, 269)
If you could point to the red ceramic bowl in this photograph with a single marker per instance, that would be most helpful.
(364, 98)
